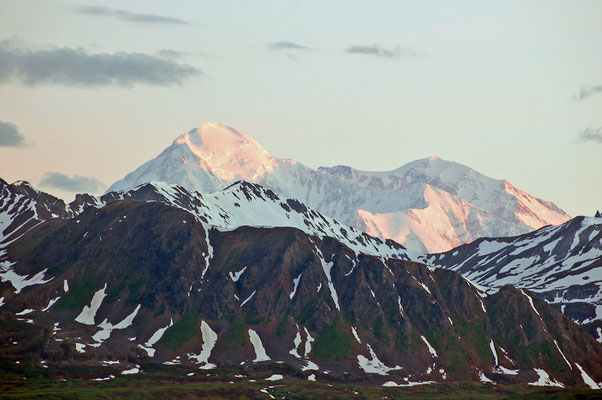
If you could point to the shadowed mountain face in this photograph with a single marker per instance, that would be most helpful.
(427, 205)
(138, 280)
(561, 264)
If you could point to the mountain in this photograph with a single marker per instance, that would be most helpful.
(427, 205)
(137, 283)
(240, 204)
(22, 207)
(561, 264)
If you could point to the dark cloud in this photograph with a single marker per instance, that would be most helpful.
(378, 51)
(128, 16)
(10, 135)
(590, 135)
(75, 183)
(76, 67)
(587, 91)
(286, 46)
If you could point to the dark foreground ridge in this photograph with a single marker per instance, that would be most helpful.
(138, 285)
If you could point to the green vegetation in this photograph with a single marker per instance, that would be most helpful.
(234, 335)
(134, 289)
(252, 319)
(380, 330)
(182, 331)
(80, 293)
(473, 332)
(115, 290)
(160, 310)
(334, 343)
(159, 382)
(283, 325)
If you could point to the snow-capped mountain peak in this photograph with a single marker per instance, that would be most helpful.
(444, 201)
(228, 153)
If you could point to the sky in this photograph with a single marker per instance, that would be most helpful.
(90, 91)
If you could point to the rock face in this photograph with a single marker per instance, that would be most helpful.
(140, 280)
(561, 264)
(427, 205)
(22, 207)
(240, 204)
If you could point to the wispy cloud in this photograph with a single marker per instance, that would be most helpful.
(588, 91)
(10, 135)
(74, 183)
(128, 16)
(284, 45)
(76, 67)
(590, 135)
(378, 51)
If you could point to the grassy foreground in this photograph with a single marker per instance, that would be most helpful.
(23, 381)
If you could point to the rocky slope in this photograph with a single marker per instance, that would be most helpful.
(561, 264)
(240, 204)
(427, 205)
(140, 280)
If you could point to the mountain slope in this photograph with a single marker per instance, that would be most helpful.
(562, 264)
(138, 281)
(427, 205)
(240, 204)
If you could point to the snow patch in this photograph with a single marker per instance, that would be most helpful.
(50, 304)
(374, 366)
(296, 284)
(88, 313)
(545, 379)
(484, 378)
(296, 343)
(248, 298)
(154, 339)
(562, 354)
(354, 331)
(587, 379)
(408, 384)
(260, 354)
(131, 371)
(327, 267)
(20, 282)
(236, 275)
(209, 339)
(492, 347)
(107, 328)
(430, 348)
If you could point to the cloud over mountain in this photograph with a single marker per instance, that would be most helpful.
(73, 183)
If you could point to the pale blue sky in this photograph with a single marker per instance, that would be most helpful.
(492, 85)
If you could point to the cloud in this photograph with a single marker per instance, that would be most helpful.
(286, 46)
(170, 54)
(378, 51)
(587, 91)
(590, 135)
(74, 183)
(128, 16)
(10, 135)
(76, 67)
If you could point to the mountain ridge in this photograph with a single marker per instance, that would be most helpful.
(467, 204)
(562, 264)
(138, 282)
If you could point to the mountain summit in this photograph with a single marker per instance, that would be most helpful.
(428, 205)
